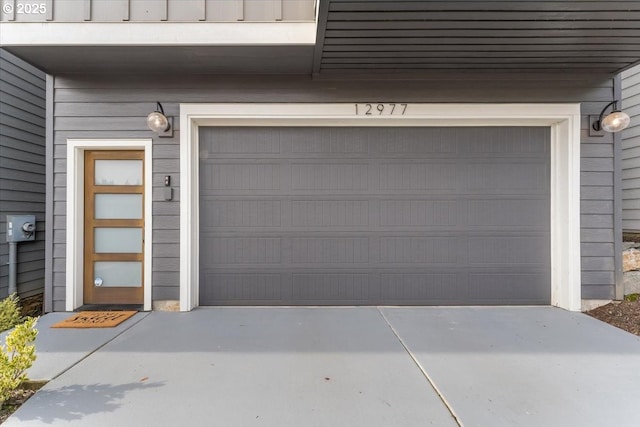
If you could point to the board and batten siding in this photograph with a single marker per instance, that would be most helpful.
(631, 151)
(22, 168)
(115, 106)
(161, 10)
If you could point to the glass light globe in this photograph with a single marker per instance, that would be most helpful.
(615, 121)
(157, 122)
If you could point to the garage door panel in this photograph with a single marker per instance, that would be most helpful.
(501, 177)
(239, 213)
(327, 288)
(241, 176)
(373, 142)
(490, 250)
(518, 287)
(240, 141)
(317, 216)
(330, 250)
(433, 287)
(411, 176)
(303, 142)
(420, 250)
(240, 288)
(222, 250)
(330, 213)
(418, 213)
(407, 288)
(410, 142)
(330, 177)
(256, 144)
(517, 213)
(505, 142)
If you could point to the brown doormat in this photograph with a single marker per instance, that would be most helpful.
(95, 319)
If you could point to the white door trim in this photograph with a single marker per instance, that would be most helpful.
(563, 119)
(75, 213)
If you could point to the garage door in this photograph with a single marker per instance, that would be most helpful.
(364, 216)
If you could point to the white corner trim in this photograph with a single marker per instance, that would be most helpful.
(75, 213)
(189, 215)
(563, 119)
(157, 33)
(565, 214)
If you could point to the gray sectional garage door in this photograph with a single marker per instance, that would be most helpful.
(343, 216)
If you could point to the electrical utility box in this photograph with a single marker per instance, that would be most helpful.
(21, 228)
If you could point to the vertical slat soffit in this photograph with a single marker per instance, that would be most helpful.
(392, 36)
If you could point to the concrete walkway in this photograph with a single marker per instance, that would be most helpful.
(363, 366)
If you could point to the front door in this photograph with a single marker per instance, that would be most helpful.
(113, 227)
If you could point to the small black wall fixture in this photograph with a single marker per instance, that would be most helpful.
(614, 122)
(160, 123)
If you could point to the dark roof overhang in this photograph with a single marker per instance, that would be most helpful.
(418, 37)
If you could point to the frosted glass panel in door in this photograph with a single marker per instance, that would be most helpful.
(118, 274)
(118, 240)
(118, 172)
(118, 206)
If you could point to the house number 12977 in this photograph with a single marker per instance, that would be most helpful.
(380, 109)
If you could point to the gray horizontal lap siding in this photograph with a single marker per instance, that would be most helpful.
(631, 151)
(22, 167)
(101, 106)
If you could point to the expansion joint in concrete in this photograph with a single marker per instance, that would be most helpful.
(423, 370)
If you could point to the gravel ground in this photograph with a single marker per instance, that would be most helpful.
(621, 314)
(17, 398)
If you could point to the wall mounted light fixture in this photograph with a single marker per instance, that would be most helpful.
(160, 123)
(614, 122)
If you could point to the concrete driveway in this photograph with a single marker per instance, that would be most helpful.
(366, 366)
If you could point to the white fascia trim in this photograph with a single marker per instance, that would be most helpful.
(75, 213)
(563, 119)
(157, 34)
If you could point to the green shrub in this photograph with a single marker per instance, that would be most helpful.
(632, 297)
(16, 356)
(10, 312)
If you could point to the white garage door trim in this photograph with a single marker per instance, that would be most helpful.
(563, 119)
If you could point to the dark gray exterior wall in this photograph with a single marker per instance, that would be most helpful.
(115, 106)
(22, 167)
